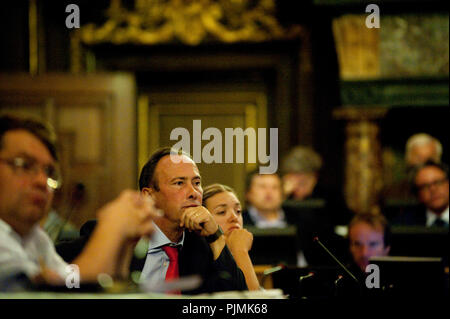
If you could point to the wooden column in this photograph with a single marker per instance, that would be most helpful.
(363, 162)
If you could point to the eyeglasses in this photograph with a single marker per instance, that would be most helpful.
(31, 167)
(428, 186)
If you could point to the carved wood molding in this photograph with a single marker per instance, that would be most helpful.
(152, 22)
(190, 22)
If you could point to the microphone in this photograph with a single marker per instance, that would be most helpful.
(336, 285)
(309, 275)
(301, 286)
(316, 239)
(273, 269)
(270, 271)
(339, 278)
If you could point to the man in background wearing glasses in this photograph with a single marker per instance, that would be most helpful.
(430, 185)
(28, 177)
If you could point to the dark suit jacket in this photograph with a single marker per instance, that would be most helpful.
(195, 258)
(219, 275)
(412, 216)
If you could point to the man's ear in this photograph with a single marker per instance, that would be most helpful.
(148, 191)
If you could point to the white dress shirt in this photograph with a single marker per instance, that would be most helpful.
(261, 222)
(23, 254)
(157, 261)
(431, 217)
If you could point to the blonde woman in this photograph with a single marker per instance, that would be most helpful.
(223, 204)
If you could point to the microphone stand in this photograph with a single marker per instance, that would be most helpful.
(341, 265)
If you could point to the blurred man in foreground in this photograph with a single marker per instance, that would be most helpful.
(28, 177)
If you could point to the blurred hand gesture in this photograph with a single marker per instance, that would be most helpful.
(131, 214)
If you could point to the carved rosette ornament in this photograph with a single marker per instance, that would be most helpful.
(152, 22)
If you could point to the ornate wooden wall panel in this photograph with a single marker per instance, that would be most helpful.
(94, 117)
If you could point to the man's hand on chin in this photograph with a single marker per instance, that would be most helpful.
(198, 218)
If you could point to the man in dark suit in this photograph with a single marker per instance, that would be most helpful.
(173, 181)
(187, 240)
(430, 184)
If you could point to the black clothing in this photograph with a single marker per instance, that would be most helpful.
(413, 216)
(195, 258)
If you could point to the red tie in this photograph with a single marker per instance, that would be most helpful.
(172, 271)
(172, 253)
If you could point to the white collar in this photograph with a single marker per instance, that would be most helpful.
(159, 239)
(431, 216)
(6, 228)
(261, 222)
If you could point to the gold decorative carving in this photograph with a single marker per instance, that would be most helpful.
(190, 22)
(152, 22)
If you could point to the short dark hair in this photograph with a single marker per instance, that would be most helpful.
(43, 131)
(418, 168)
(253, 173)
(146, 178)
(374, 220)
